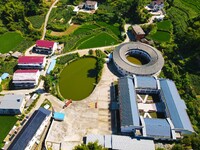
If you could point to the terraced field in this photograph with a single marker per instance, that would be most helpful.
(181, 12)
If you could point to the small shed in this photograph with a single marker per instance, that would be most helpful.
(4, 76)
(59, 116)
(51, 66)
(16, 54)
(138, 32)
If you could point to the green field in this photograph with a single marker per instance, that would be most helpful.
(161, 36)
(165, 25)
(78, 79)
(9, 41)
(37, 21)
(113, 28)
(85, 28)
(6, 124)
(181, 12)
(102, 39)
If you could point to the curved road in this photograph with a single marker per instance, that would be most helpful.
(47, 18)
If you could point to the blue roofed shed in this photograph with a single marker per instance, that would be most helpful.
(51, 66)
(4, 76)
(157, 128)
(176, 107)
(59, 116)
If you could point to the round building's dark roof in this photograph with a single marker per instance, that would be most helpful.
(155, 64)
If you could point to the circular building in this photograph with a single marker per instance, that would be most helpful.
(137, 58)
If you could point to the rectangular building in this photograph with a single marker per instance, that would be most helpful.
(12, 104)
(45, 47)
(32, 62)
(32, 130)
(26, 78)
(91, 5)
(138, 32)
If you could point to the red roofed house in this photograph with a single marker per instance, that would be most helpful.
(26, 78)
(31, 62)
(45, 47)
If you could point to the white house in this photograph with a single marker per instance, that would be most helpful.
(32, 62)
(26, 78)
(91, 5)
(157, 4)
(32, 130)
(12, 104)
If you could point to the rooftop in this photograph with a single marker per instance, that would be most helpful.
(91, 2)
(138, 30)
(157, 128)
(11, 101)
(29, 130)
(145, 82)
(118, 142)
(30, 59)
(44, 43)
(156, 60)
(176, 106)
(25, 75)
(128, 105)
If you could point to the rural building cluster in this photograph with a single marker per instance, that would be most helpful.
(129, 107)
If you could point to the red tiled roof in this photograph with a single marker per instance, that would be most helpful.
(30, 59)
(26, 71)
(44, 43)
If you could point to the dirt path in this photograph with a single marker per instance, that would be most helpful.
(46, 20)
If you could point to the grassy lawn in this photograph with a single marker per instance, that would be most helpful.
(161, 36)
(77, 80)
(6, 124)
(165, 25)
(102, 39)
(9, 41)
(37, 21)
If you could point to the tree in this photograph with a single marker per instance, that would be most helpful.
(90, 146)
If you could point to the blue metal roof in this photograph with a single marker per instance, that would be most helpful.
(51, 66)
(28, 131)
(4, 76)
(159, 128)
(128, 104)
(58, 116)
(145, 82)
(175, 105)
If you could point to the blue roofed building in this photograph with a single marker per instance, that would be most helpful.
(152, 108)
(157, 128)
(58, 116)
(4, 76)
(51, 66)
(32, 130)
(129, 113)
(176, 107)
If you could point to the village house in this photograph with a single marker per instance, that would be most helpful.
(12, 104)
(138, 32)
(31, 62)
(45, 47)
(157, 5)
(91, 5)
(26, 78)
